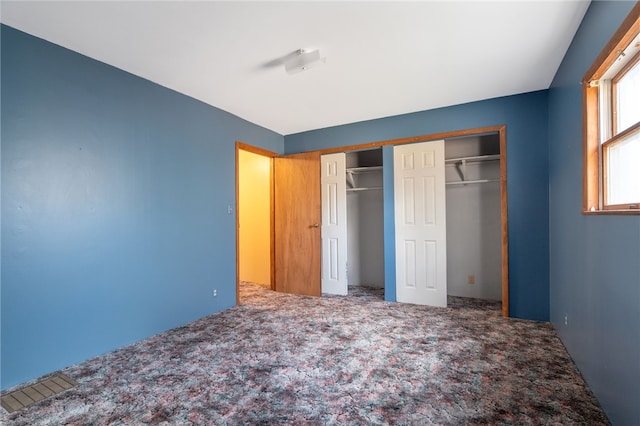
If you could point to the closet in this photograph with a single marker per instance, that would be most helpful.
(473, 219)
(472, 174)
(365, 220)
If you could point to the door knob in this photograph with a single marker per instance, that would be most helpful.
(315, 225)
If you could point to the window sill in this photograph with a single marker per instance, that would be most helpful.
(631, 212)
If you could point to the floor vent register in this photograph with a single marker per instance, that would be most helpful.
(42, 389)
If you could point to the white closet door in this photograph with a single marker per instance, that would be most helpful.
(334, 223)
(420, 219)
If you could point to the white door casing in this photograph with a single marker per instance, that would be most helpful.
(420, 222)
(334, 223)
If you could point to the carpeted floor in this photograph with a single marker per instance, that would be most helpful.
(284, 359)
(375, 294)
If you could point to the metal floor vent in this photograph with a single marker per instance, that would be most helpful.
(42, 389)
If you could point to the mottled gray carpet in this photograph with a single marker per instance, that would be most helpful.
(284, 359)
(376, 294)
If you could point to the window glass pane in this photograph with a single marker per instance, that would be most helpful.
(623, 172)
(628, 95)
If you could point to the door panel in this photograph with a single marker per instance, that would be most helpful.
(297, 223)
(421, 233)
(334, 223)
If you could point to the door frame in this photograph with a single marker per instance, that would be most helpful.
(241, 146)
(500, 130)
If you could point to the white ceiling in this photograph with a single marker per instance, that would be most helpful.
(382, 58)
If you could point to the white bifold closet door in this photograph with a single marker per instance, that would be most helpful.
(334, 223)
(420, 222)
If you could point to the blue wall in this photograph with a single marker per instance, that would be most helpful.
(114, 207)
(595, 260)
(527, 167)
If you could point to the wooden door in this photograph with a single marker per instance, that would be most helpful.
(297, 223)
(421, 230)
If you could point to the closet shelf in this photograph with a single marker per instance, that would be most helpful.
(461, 163)
(354, 171)
(464, 182)
(363, 189)
(473, 159)
(358, 170)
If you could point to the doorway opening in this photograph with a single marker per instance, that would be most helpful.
(254, 217)
(365, 224)
(472, 174)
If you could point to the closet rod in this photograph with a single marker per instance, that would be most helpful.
(464, 182)
(474, 158)
(363, 189)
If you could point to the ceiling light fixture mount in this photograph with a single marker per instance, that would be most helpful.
(302, 60)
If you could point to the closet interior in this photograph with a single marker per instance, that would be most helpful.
(474, 262)
(472, 172)
(365, 220)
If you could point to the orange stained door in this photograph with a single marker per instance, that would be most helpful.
(297, 223)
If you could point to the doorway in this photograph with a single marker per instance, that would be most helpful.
(254, 200)
(352, 223)
(472, 170)
(365, 222)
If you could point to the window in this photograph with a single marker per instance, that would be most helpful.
(612, 124)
